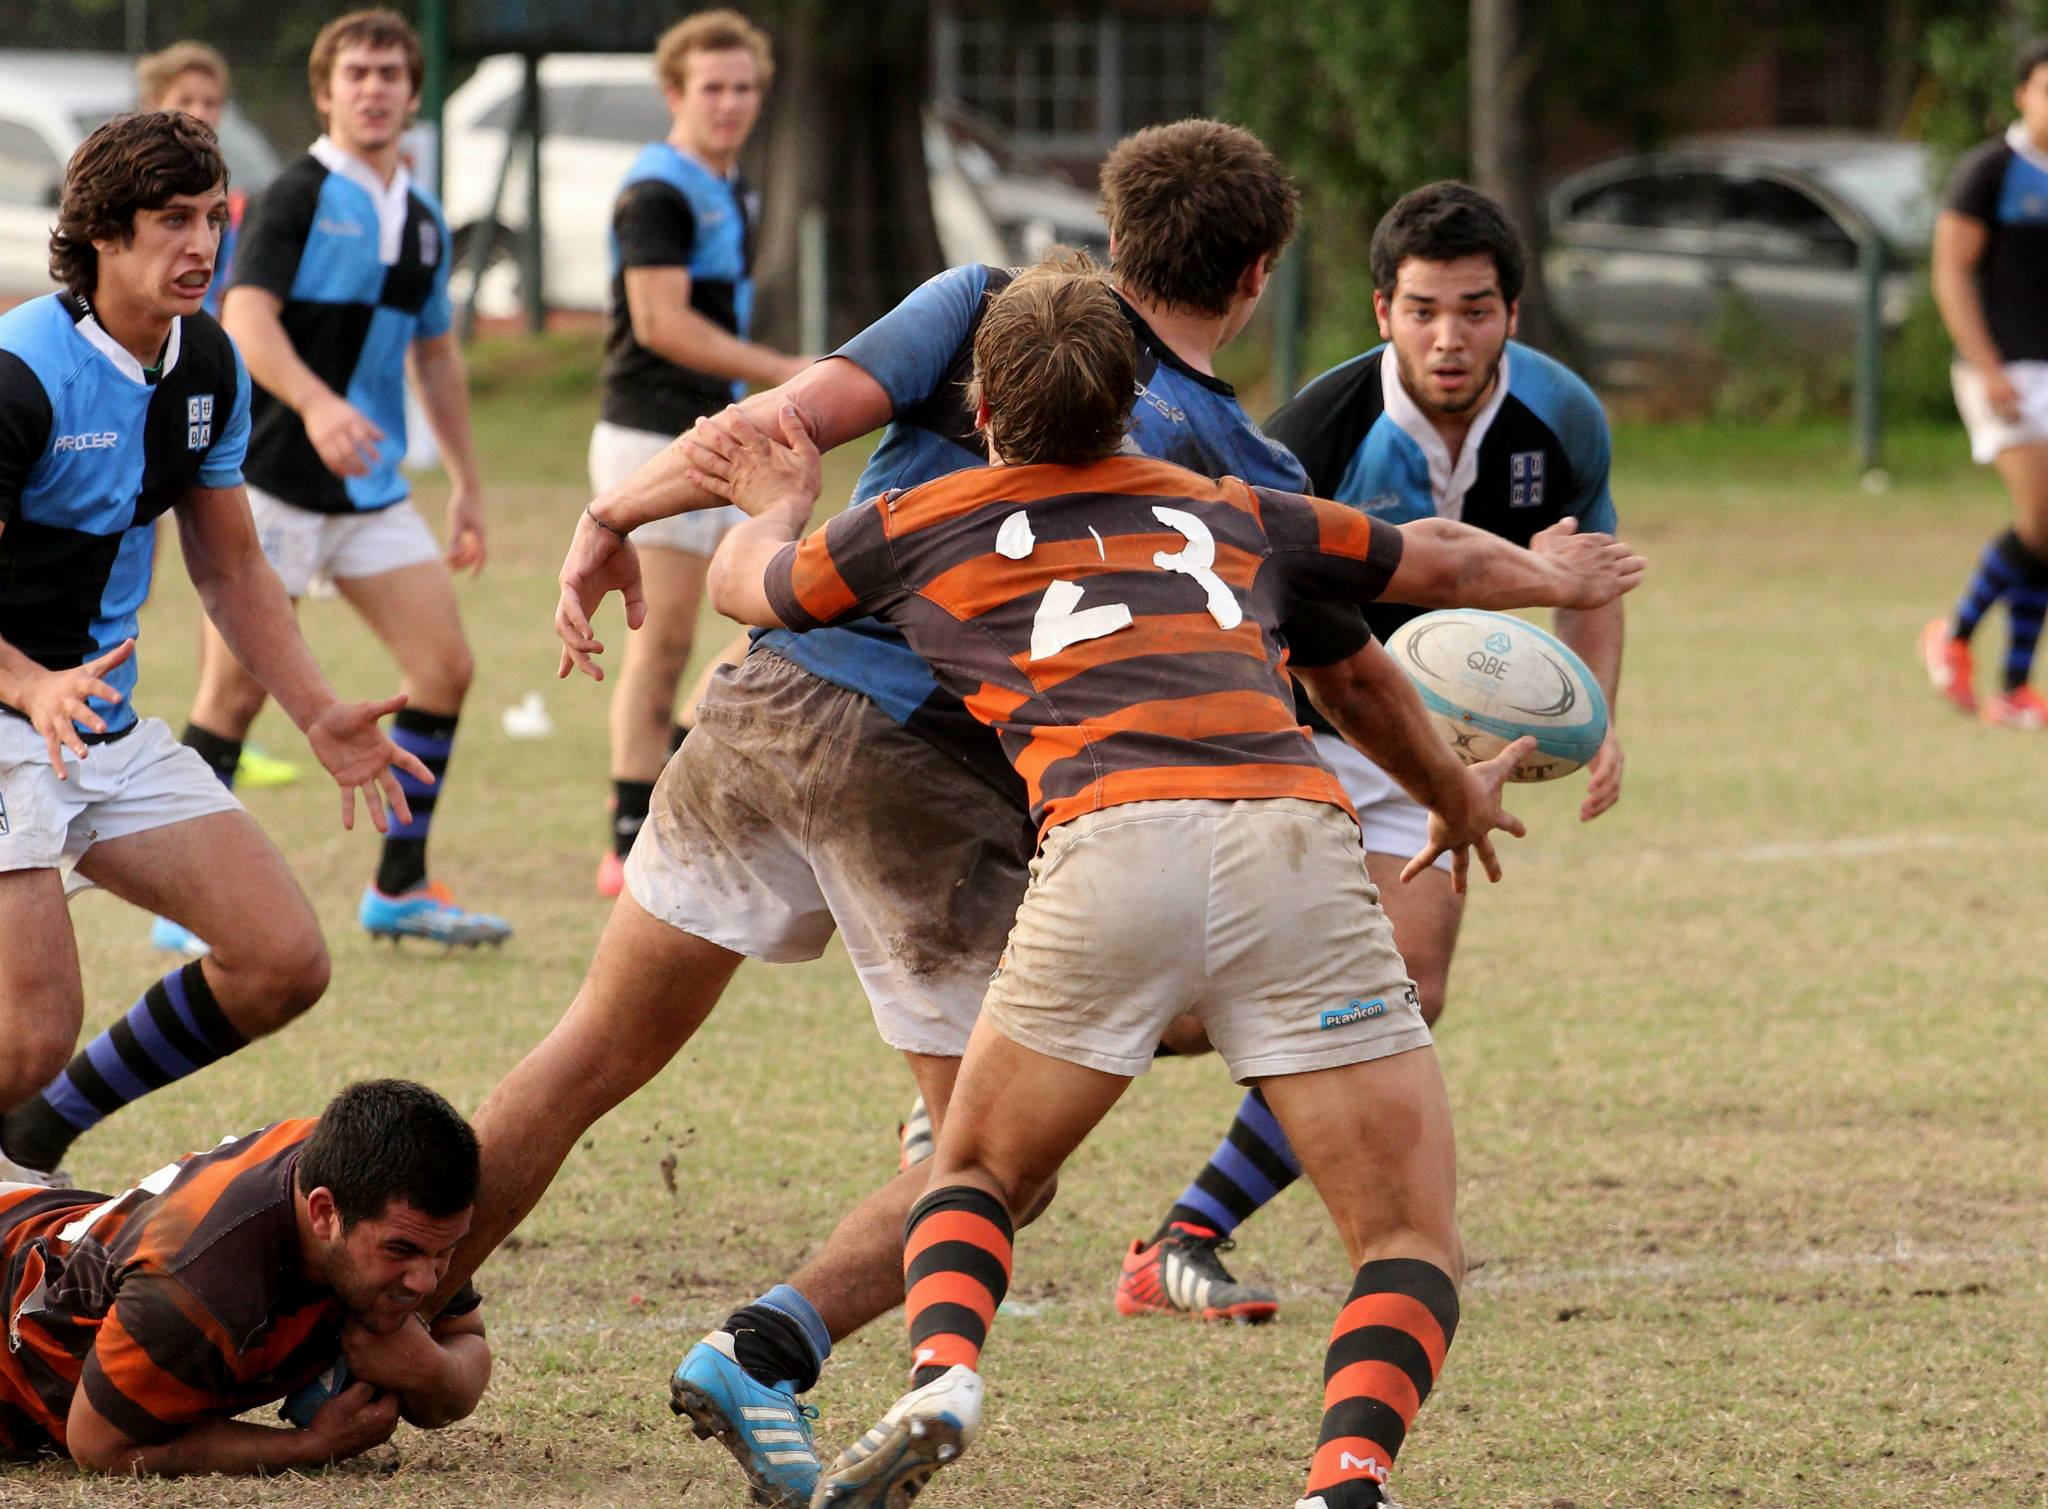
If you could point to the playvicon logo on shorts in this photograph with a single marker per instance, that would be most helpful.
(1353, 1010)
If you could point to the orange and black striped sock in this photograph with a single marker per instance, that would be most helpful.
(1385, 1351)
(956, 1270)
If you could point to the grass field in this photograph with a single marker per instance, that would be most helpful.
(1748, 1075)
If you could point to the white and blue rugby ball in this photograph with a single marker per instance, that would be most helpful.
(1488, 679)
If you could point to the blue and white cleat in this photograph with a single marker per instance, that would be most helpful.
(923, 1431)
(173, 938)
(431, 913)
(767, 1431)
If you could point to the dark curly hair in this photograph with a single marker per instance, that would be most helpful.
(1441, 222)
(390, 1139)
(140, 161)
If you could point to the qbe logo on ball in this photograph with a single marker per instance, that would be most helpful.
(1488, 679)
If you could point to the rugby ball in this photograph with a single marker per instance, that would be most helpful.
(1487, 679)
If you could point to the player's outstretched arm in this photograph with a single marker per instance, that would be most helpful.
(776, 483)
(347, 1426)
(437, 1374)
(247, 603)
(1450, 565)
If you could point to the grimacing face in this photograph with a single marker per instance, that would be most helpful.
(384, 1267)
(165, 265)
(1449, 326)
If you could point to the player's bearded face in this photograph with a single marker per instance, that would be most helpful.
(384, 1267)
(168, 261)
(1449, 327)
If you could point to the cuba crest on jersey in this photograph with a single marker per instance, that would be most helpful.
(198, 421)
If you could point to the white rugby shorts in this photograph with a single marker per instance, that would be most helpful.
(616, 452)
(1989, 431)
(301, 544)
(145, 779)
(1390, 820)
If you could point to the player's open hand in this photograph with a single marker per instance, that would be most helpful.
(757, 472)
(1469, 828)
(466, 549)
(1593, 569)
(1603, 784)
(348, 741)
(599, 561)
(353, 1421)
(342, 435)
(55, 703)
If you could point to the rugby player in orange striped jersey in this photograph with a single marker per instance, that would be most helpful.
(1114, 619)
(140, 1324)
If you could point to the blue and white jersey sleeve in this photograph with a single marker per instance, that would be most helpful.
(1571, 411)
(223, 464)
(437, 313)
(910, 349)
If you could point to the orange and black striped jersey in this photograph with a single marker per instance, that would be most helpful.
(1115, 624)
(183, 1299)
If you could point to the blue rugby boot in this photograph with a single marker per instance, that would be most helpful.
(173, 938)
(923, 1431)
(765, 1428)
(429, 912)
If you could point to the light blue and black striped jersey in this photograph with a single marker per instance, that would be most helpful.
(93, 448)
(361, 268)
(672, 211)
(2003, 185)
(922, 354)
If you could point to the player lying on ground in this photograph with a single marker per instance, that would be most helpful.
(120, 400)
(142, 1323)
(1115, 620)
(1447, 419)
(733, 864)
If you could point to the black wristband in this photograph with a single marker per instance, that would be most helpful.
(600, 523)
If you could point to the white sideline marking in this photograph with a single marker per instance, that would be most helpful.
(1870, 846)
(1506, 1277)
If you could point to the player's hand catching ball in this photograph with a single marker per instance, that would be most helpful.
(753, 470)
(1459, 833)
(348, 741)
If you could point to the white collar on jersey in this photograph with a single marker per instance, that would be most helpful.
(1448, 483)
(390, 199)
(124, 361)
(2023, 146)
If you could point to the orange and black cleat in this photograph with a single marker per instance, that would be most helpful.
(1947, 660)
(1179, 1273)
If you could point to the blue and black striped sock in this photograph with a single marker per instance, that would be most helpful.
(430, 737)
(781, 1338)
(2002, 566)
(176, 1029)
(1251, 1166)
(2027, 604)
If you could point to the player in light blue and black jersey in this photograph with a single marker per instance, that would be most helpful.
(1448, 419)
(120, 401)
(682, 291)
(341, 283)
(1991, 283)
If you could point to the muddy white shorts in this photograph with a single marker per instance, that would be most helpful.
(616, 452)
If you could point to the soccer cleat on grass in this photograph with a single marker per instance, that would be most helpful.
(914, 1137)
(429, 912)
(257, 771)
(611, 875)
(174, 939)
(767, 1431)
(923, 1431)
(1948, 664)
(1180, 1274)
(2020, 708)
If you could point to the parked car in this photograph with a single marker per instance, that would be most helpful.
(598, 110)
(1647, 251)
(49, 103)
